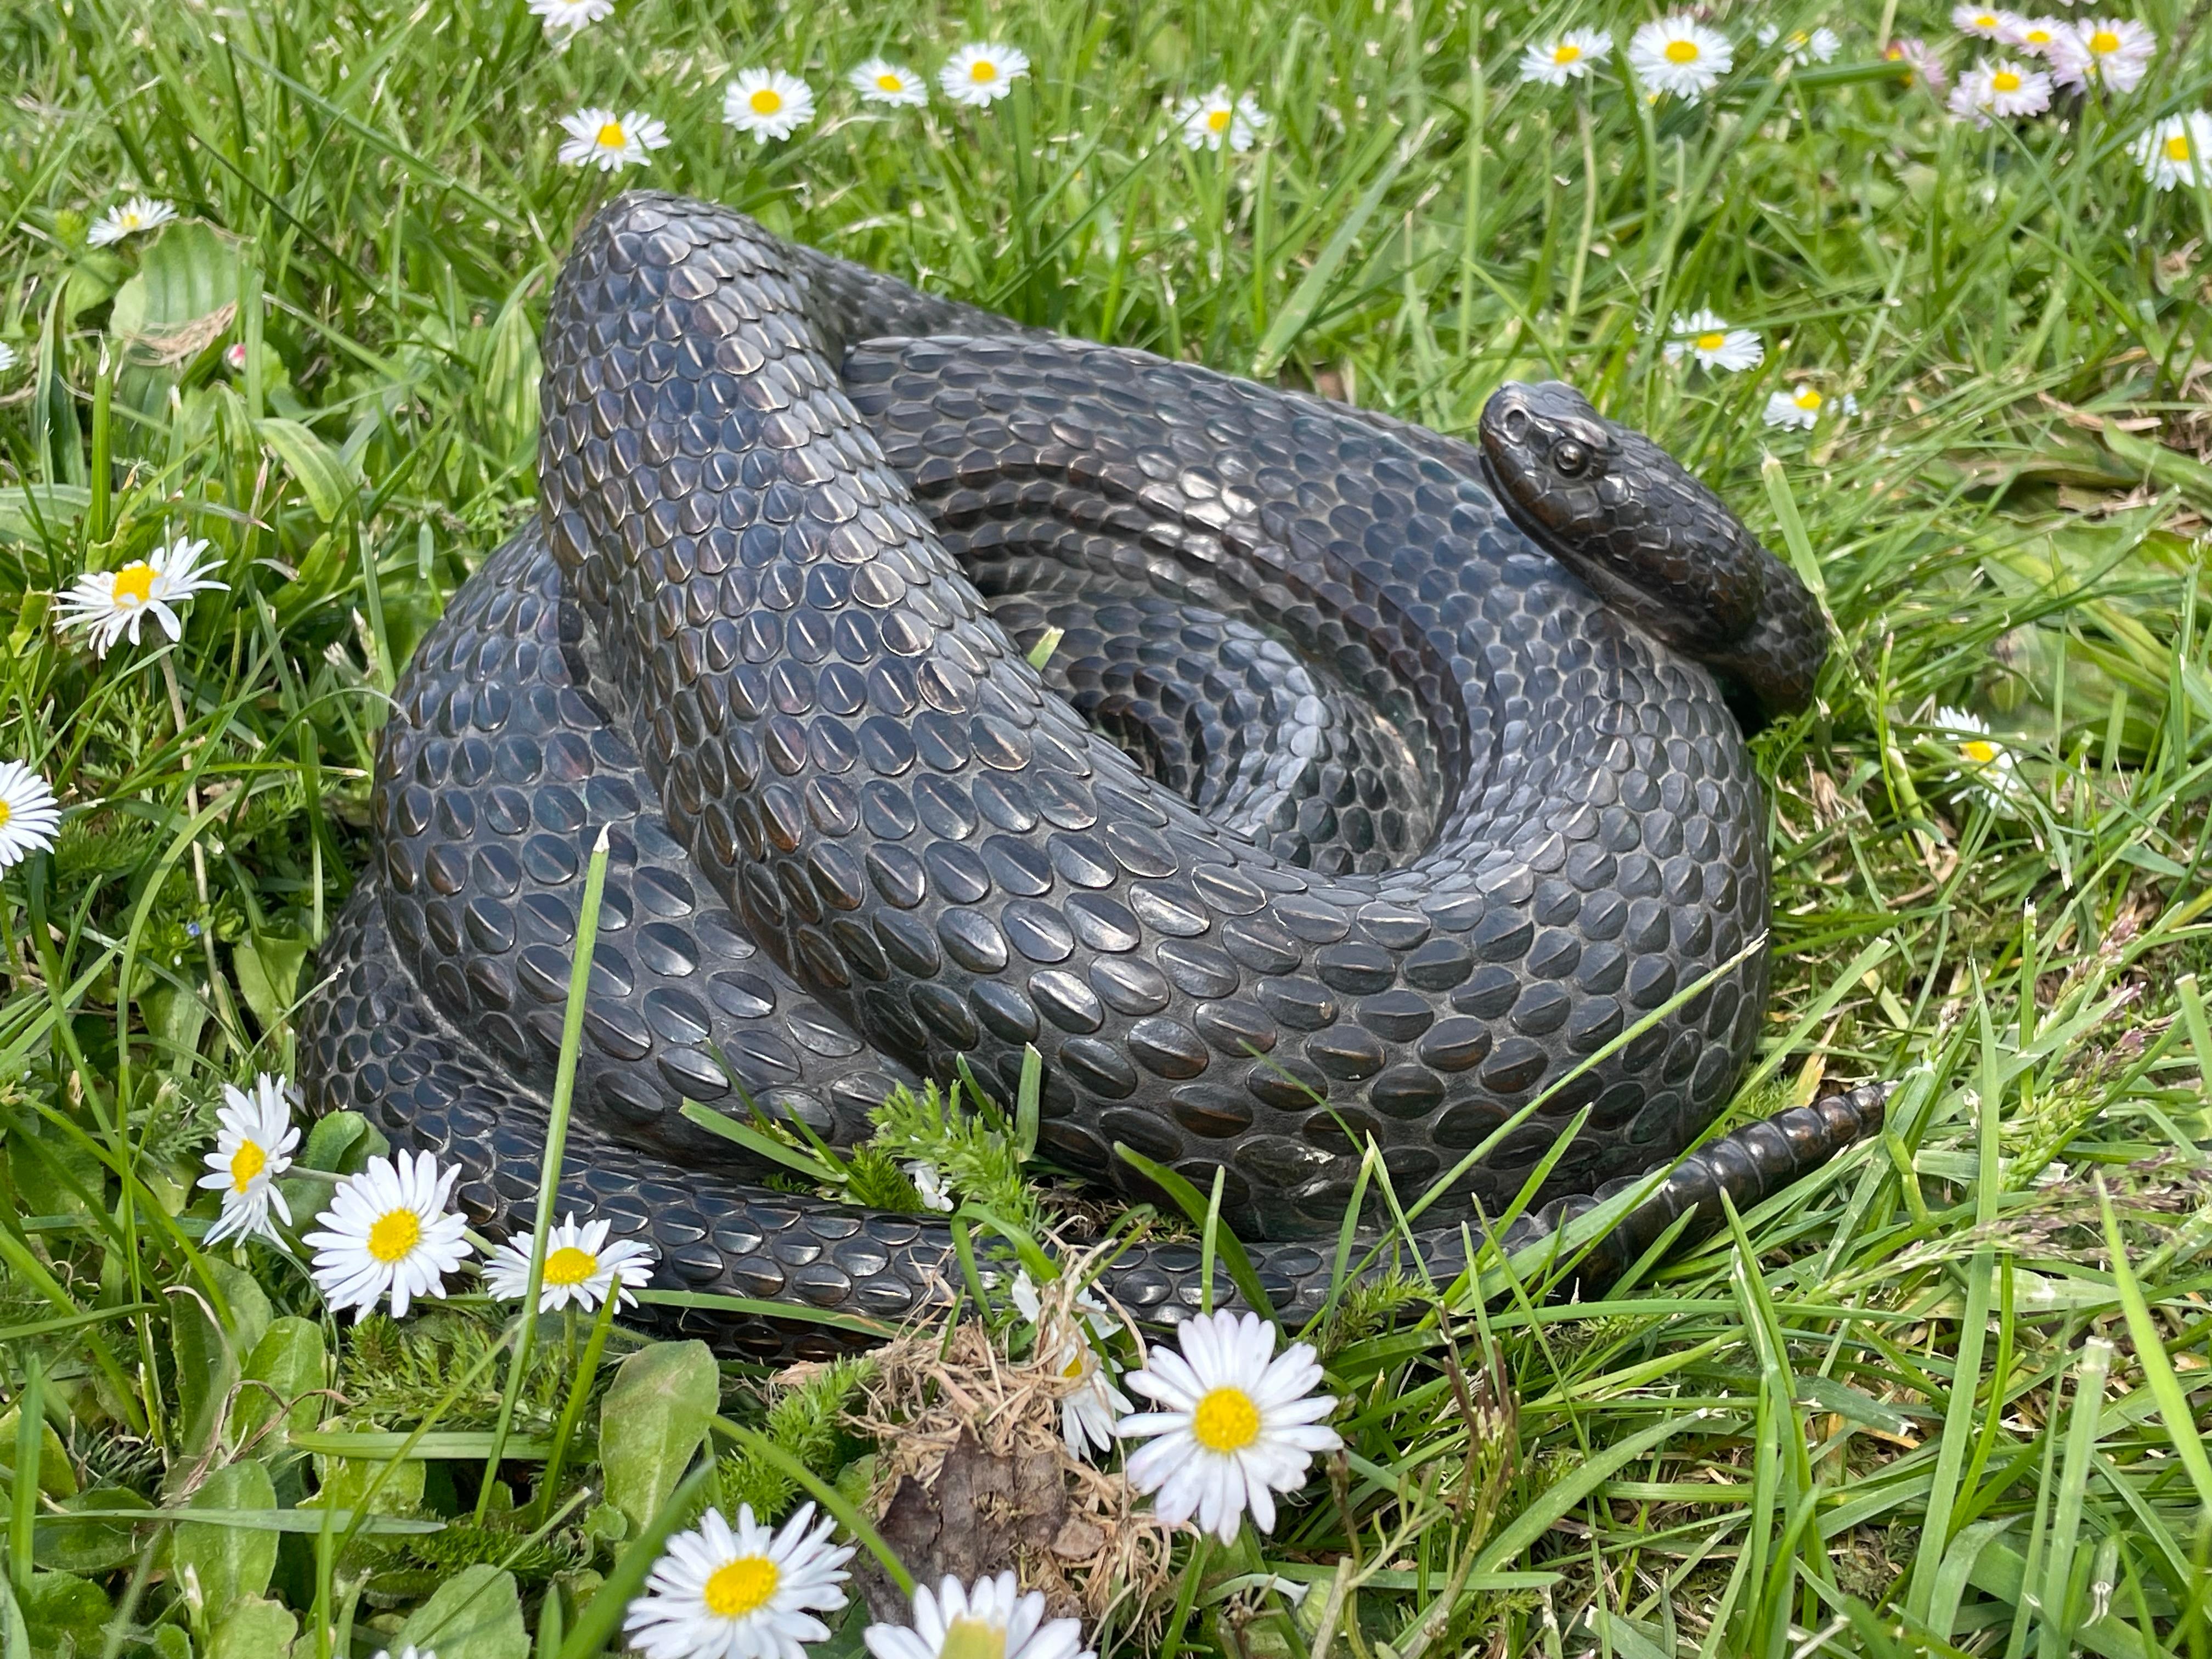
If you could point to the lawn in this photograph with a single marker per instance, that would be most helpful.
(1943, 1396)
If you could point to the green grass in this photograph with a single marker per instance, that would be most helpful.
(1944, 1396)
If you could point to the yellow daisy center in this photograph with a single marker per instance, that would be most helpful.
(2104, 40)
(1681, 52)
(1217, 119)
(1567, 52)
(570, 1266)
(1987, 20)
(2004, 81)
(610, 136)
(974, 1638)
(740, 1587)
(983, 70)
(394, 1236)
(1805, 397)
(134, 584)
(247, 1161)
(6, 813)
(1227, 1420)
(1980, 750)
(2177, 149)
(2036, 38)
(1711, 342)
(889, 83)
(767, 101)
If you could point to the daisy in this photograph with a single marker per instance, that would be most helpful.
(410, 1652)
(767, 104)
(1919, 59)
(982, 74)
(2170, 152)
(567, 18)
(7, 357)
(253, 1143)
(2035, 36)
(28, 814)
(2113, 52)
(139, 213)
(1679, 54)
(612, 142)
(989, 1619)
(111, 604)
(741, 1592)
(879, 81)
(1999, 90)
(1713, 343)
(1798, 407)
(1986, 767)
(1071, 1344)
(1985, 22)
(936, 1189)
(1567, 58)
(1207, 121)
(581, 1268)
(1236, 1426)
(1801, 48)
(388, 1230)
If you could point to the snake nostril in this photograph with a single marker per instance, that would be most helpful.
(1517, 424)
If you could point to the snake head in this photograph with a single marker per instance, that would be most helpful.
(1550, 454)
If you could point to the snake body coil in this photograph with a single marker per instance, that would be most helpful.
(1343, 814)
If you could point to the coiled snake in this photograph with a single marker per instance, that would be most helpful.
(1379, 782)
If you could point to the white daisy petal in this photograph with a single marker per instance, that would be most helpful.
(1984, 22)
(935, 1187)
(1216, 120)
(2112, 52)
(600, 138)
(566, 18)
(387, 1232)
(139, 213)
(991, 1617)
(1987, 770)
(254, 1140)
(112, 604)
(1241, 1429)
(721, 1591)
(581, 1268)
(879, 81)
(1679, 54)
(1798, 407)
(29, 815)
(767, 104)
(983, 73)
(1704, 339)
(2174, 151)
(1565, 58)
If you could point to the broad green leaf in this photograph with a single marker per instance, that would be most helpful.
(330, 485)
(60, 1609)
(30, 513)
(91, 1547)
(255, 1629)
(652, 1424)
(56, 1478)
(268, 968)
(288, 1363)
(475, 1614)
(344, 1483)
(220, 1566)
(181, 304)
(207, 1358)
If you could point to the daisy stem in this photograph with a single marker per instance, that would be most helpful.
(579, 1388)
(549, 1171)
(1186, 1595)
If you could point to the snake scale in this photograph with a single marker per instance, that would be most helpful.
(1379, 781)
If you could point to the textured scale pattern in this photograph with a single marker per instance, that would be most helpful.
(1342, 812)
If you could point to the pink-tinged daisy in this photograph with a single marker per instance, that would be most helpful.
(2112, 52)
(1982, 22)
(1919, 62)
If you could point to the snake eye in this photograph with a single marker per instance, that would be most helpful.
(1569, 459)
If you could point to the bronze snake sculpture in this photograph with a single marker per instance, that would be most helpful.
(1379, 781)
